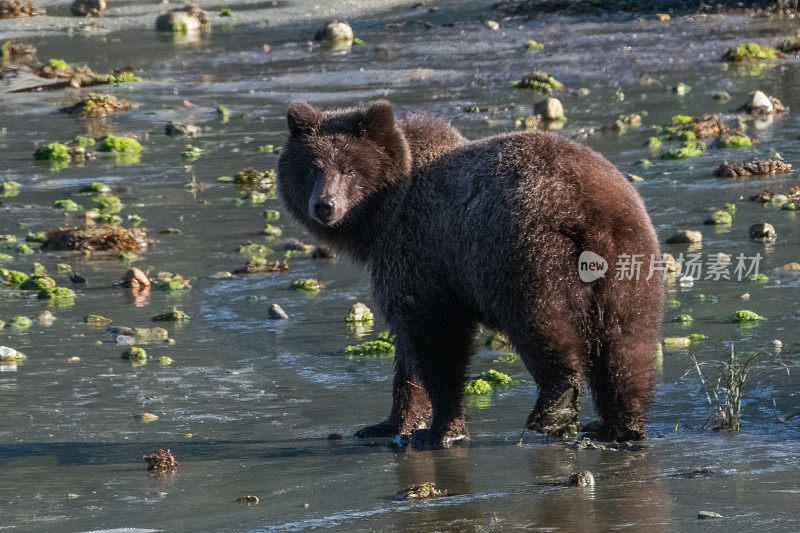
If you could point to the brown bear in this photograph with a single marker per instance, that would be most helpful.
(459, 233)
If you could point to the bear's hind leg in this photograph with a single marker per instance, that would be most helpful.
(410, 403)
(621, 380)
(556, 358)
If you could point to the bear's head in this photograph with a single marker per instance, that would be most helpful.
(334, 162)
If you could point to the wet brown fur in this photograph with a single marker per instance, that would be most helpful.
(461, 233)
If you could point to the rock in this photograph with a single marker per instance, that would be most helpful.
(492, 24)
(759, 100)
(221, 275)
(708, 515)
(359, 313)
(46, 318)
(135, 278)
(581, 479)
(125, 340)
(162, 460)
(97, 320)
(763, 232)
(7, 354)
(424, 490)
(181, 128)
(792, 266)
(146, 418)
(184, 20)
(685, 236)
(550, 109)
(249, 500)
(88, 8)
(634, 178)
(335, 32)
(275, 312)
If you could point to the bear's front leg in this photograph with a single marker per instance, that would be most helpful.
(441, 356)
(410, 404)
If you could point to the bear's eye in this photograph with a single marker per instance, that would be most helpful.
(351, 173)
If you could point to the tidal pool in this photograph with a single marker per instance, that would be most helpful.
(249, 402)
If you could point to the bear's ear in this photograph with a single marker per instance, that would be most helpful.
(379, 120)
(302, 118)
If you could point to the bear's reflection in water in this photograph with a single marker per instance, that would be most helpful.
(628, 492)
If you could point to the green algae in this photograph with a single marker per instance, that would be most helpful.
(9, 188)
(533, 45)
(66, 205)
(720, 218)
(20, 322)
(737, 141)
(540, 81)
(359, 313)
(382, 347)
(173, 315)
(123, 145)
(54, 152)
(476, 387)
(508, 357)
(307, 285)
(137, 356)
(495, 378)
(683, 319)
(686, 150)
(750, 52)
(746, 316)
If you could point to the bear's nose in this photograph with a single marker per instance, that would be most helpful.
(323, 208)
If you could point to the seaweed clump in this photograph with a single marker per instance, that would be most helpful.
(752, 167)
(98, 105)
(161, 461)
(382, 347)
(424, 490)
(540, 81)
(750, 52)
(10, 9)
(254, 179)
(97, 239)
(184, 20)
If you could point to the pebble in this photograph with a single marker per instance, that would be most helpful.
(685, 236)
(708, 515)
(335, 32)
(763, 231)
(276, 312)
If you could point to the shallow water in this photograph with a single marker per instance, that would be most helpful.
(249, 402)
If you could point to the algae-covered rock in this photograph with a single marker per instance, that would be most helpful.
(143, 335)
(38, 282)
(495, 378)
(137, 356)
(60, 295)
(624, 123)
(252, 178)
(687, 149)
(173, 315)
(540, 81)
(745, 315)
(13, 277)
(677, 342)
(498, 341)
(307, 285)
(96, 187)
(166, 281)
(533, 45)
(550, 109)
(335, 32)
(359, 313)
(737, 141)
(111, 143)
(66, 205)
(182, 128)
(20, 322)
(719, 218)
(165, 361)
(97, 320)
(750, 52)
(9, 188)
(683, 319)
(382, 347)
(55, 152)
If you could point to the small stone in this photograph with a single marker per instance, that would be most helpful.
(46, 318)
(180, 128)
(634, 178)
(685, 236)
(335, 32)
(792, 266)
(663, 17)
(763, 232)
(708, 515)
(88, 8)
(492, 24)
(249, 500)
(777, 344)
(761, 102)
(146, 418)
(424, 490)
(550, 109)
(745, 296)
(581, 479)
(276, 312)
(74, 359)
(7, 354)
(179, 21)
(221, 275)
